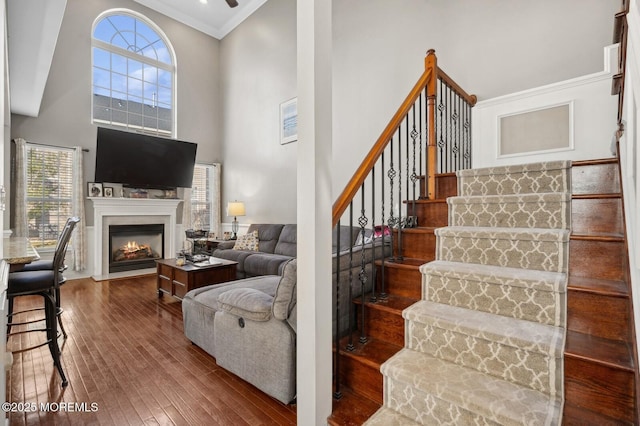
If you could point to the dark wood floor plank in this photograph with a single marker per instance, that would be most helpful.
(127, 352)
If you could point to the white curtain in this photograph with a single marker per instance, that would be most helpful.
(79, 237)
(215, 200)
(186, 209)
(20, 197)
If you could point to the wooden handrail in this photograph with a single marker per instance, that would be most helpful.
(369, 161)
(470, 99)
(427, 80)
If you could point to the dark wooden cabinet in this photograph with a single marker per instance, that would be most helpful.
(178, 280)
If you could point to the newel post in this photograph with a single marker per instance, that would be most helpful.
(431, 63)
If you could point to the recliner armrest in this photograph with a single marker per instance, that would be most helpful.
(247, 303)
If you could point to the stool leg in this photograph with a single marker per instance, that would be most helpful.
(9, 316)
(59, 313)
(52, 330)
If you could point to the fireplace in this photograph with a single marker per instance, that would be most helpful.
(135, 246)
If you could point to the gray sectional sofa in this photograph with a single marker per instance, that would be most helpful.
(277, 245)
(249, 325)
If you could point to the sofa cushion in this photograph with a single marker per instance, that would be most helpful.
(288, 241)
(248, 241)
(348, 236)
(285, 298)
(246, 302)
(268, 235)
(264, 264)
(235, 255)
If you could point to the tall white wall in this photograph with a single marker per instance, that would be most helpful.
(592, 118)
(258, 68)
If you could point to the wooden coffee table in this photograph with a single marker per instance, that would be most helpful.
(178, 280)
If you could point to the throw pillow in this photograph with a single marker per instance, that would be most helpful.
(247, 242)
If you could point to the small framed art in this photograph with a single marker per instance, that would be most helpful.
(289, 121)
(94, 189)
(108, 191)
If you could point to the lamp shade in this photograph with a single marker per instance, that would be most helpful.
(235, 208)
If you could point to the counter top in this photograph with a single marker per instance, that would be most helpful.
(18, 250)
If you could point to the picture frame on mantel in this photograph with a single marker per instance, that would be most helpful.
(94, 189)
(289, 121)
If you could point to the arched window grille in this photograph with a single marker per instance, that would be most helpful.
(133, 74)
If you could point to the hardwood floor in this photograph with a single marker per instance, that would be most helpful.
(127, 356)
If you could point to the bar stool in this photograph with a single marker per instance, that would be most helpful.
(45, 283)
(47, 265)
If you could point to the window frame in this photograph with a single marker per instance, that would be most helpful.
(210, 194)
(111, 48)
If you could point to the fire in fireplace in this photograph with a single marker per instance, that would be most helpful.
(135, 246)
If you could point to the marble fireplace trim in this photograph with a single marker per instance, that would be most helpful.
(130, 211)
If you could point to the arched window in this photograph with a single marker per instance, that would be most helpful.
(133, 74)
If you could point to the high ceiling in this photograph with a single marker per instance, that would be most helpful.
(33, 28)
(214, 17)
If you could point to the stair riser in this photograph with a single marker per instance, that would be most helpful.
(601, 316)
(605, 390)
(416, 245)
(536, 255)
(597, 259)
(446, 185)
(595, 179)
(361, 378)
(425, 408)
(496, 298)
(429, 214)
(400, 281)
(550, 215)
(597, 216)
(512, 180)
(495, 358)
(383, 325)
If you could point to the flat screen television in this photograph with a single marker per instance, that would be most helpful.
(142, 161)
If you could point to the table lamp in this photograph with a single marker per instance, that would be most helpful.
(235, 209)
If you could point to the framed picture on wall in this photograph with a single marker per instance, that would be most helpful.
(94, 189)
(289, 121)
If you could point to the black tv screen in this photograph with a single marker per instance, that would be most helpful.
(143, 161)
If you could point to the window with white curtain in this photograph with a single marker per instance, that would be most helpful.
(133, 74)
(49, 193)
(201, 197)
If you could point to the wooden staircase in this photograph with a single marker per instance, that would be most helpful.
(600, 366)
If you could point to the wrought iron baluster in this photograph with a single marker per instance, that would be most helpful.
(337, 394)
(400, 247)
(414, 176)
(454, 132)
(362, 276)
(440, 130)
(373, 235)
(350, 346)
(391, 174)
(383, 293)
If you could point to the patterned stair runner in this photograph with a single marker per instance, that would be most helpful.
(486, 343)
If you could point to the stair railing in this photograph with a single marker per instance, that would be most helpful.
(430, 133)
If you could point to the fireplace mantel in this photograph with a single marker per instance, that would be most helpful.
(106, 209)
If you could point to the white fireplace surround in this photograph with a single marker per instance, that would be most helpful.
(129, 211)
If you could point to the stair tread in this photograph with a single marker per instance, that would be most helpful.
(613, 353)
(427, 201)
(392, 303)
(488, 396)
(598, 286)
(550, 281)
(605, 195)
(388, 417)
(510, 198)
(352, 409)
(598, 236)
(542, 234)
(373, 353)
(407, 263)
(527, 335)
